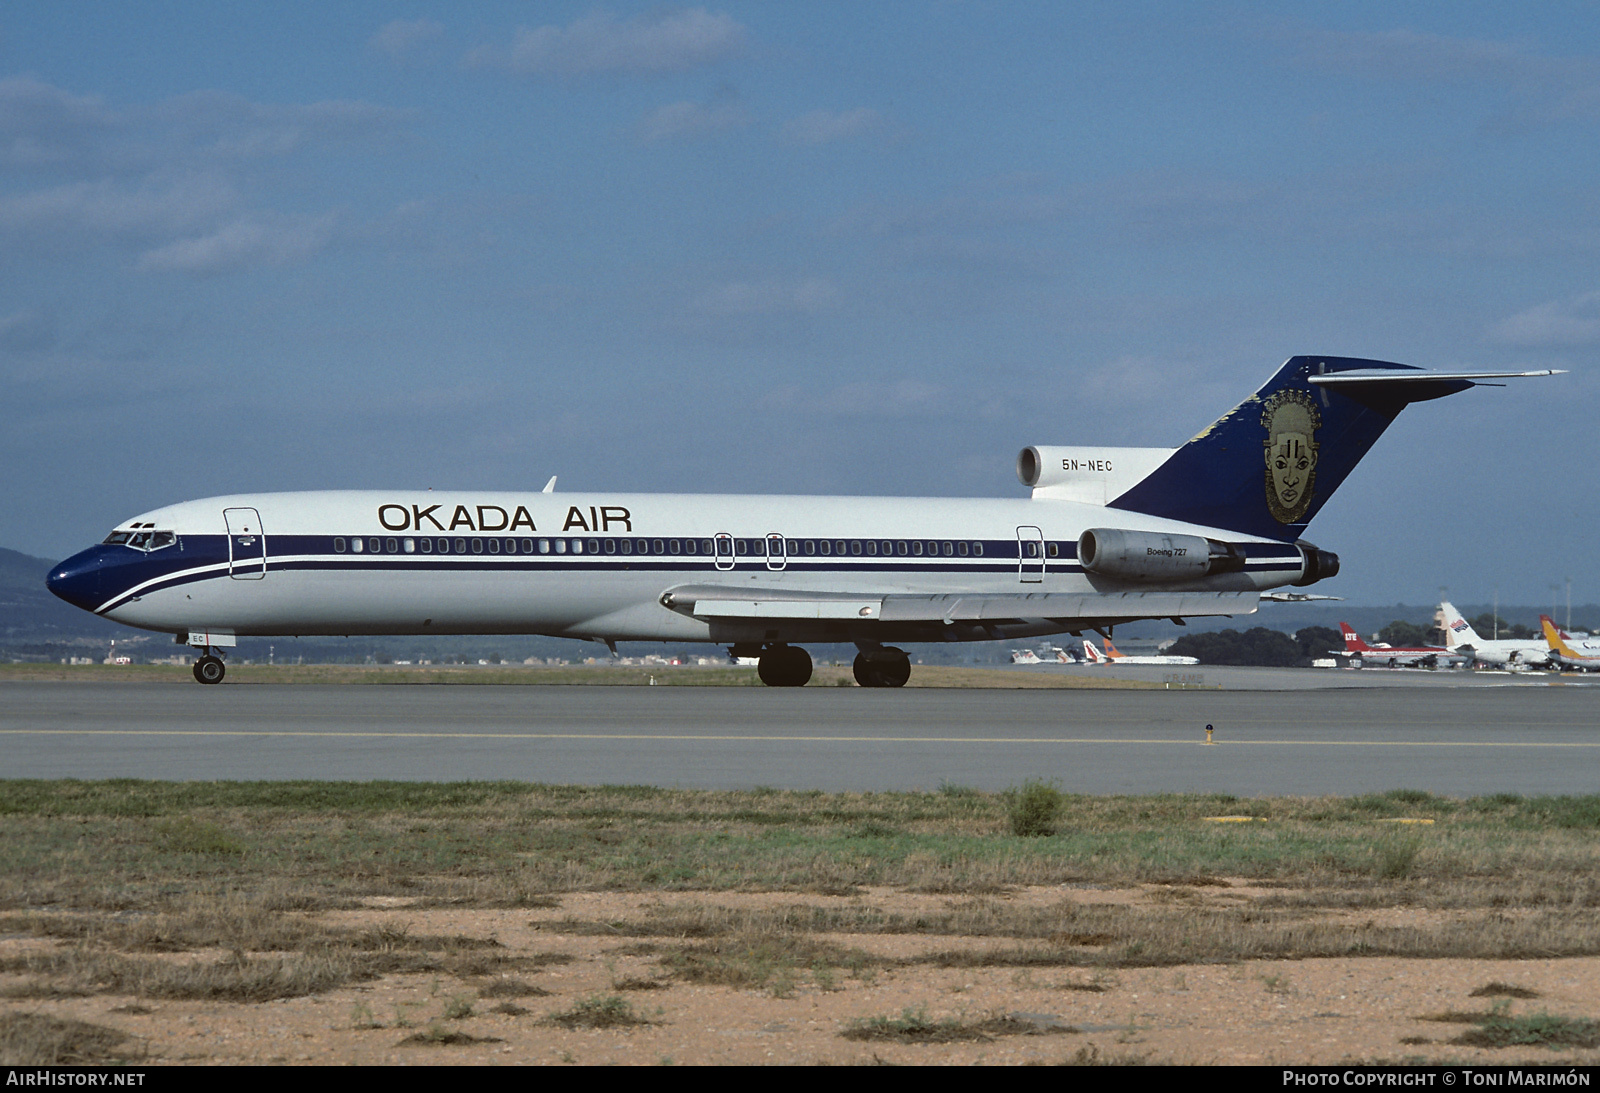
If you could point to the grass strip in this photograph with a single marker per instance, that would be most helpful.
(170, 856)
(38, 1039)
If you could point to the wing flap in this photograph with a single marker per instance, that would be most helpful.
(755, 608)
(729, 603)
(1063, 605)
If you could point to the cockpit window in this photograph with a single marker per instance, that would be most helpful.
(140, 539)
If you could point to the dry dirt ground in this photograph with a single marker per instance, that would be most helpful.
(1327, 1011)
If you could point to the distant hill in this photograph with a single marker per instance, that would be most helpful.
(29, 613)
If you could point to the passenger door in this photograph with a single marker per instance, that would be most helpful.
(1030, 555)
(247, 545)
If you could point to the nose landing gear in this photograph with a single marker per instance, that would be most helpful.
(882, 666)
(209, 669)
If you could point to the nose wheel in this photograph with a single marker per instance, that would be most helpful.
(784, 666)
(884, 666)
(209, 669)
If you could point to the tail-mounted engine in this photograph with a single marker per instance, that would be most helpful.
(1094, 476)
(1155, 556)
(1319, 564)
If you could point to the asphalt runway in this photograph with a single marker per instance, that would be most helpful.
(1538, 738)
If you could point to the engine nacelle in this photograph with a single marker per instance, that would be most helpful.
(1094, 476)
(1151, 555)
(1319, 564)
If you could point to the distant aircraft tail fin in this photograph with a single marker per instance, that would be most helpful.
(1457, 630)
(1112, 652)
(1268, 465)
(1352, 640)
(1091, 654)
(1554, 638)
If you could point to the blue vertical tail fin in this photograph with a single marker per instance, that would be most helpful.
(1268, 465)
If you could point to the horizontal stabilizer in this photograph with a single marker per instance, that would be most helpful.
(1414, 385)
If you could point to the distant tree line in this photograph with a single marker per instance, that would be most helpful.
(1260, 647)
(1400, 632)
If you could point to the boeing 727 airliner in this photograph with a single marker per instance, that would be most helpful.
(1109, 535)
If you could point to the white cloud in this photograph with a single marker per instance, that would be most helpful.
(105, 207)
(1408, 54)
(1543, 89)
(681, 120)
(823, 127)
(1572, 321)
(806, 296)
(999, 202)
(166, 178)
(214, 125)
(41, 125)
(252, 241)
(899, 398)
(26, 331)
(404, 38)
(44, 127)
(598, 44)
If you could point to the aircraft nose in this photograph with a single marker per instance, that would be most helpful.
(79, 580)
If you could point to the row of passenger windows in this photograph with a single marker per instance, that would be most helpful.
(358, 545)
(721, 547)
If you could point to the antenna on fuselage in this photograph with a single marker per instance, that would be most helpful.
(550, 486)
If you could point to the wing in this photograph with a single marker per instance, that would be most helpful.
(722, 602)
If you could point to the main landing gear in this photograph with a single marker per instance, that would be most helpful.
(784, 666)
(882, 666)
(209, 669)
(790, 666)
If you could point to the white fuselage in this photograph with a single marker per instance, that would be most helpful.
(607, 567)
(1506, 652)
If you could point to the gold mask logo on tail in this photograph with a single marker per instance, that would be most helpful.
(1291, 420)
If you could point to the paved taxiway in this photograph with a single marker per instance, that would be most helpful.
(1528, 738)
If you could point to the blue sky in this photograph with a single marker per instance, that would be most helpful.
(795, 248)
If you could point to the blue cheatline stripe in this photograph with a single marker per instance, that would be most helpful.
(396, 564)
(993, 549)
